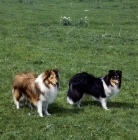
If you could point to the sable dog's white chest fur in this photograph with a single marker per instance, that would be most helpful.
(48, 93)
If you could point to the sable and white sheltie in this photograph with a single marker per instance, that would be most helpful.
(99, 88)
(40, 90)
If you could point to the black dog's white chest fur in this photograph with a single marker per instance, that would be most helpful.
(110, 90)
(100, 88)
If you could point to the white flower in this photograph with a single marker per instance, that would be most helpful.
(86, 17)
(86, 10)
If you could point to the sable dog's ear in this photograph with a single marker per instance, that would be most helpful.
(55, 70)
(47, 73)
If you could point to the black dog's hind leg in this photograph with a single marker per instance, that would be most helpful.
(79, 102)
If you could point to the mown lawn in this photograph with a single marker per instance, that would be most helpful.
(32, 38)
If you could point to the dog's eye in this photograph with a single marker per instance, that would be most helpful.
(115, 77)
(51, 77)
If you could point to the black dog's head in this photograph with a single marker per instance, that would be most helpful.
(113, 78)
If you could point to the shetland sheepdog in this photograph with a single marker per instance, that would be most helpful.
(40, 90)
(99, 88)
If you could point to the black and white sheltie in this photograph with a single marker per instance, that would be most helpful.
(99, 88)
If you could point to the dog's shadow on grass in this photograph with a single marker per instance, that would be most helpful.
(111, 104)
(58, 109)
(53, 109)
(124, 105)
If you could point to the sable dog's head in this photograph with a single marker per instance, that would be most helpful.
(51, 77)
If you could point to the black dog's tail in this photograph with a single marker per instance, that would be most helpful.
(70, 95)
(75, 93)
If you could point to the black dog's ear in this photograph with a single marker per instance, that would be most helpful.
(119, 72)
(111, 71)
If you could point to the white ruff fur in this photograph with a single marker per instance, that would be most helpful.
(48, 94)
(47, 97)
(111, 90)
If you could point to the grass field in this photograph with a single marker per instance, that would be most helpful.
(32, 38)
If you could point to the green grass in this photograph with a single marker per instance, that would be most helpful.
(32, 38)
